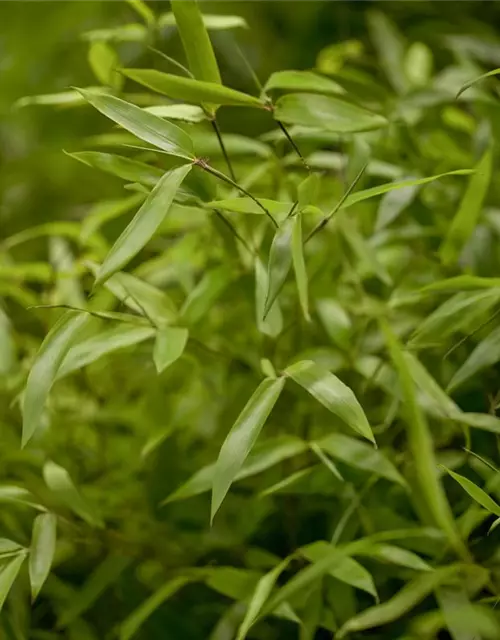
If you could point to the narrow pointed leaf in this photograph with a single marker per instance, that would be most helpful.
(303, 81)
(307, 191)
(259, 598)
(280, 261)
(205, 294)
(144, 125)
(405, 600)
(136, 619)
(44, 370)
(242, 437)
(327, 113)
(393, 204)
(169, 346)
(60, 483)
(467, 85)
(421, 446)
(476, 493)
(272, 323)
(125, 168)
(486, 354)
(8, 574)
(191, 90)
(299, 266)
(332, 393)
(361, 455)
(104, 61)
(211, 21)
(145, 223)
(467, 216)
(195, 39)
(395, 555)
(43, 546)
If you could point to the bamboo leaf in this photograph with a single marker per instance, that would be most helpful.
(470, 83)
(8, 574)
(125, 168)
(60, 483)
(43, 546)
(213, 22)
(331, 393)
(475, 492)
(144, 125)
(104, 62)
(467, 216)
(169, 346)
(204, 294)
(299, 266)
(145, 223)
(325, 112)
(190, 89)
(44, 370)
(271, 324)
(486, 354)
(302, 81)
(242, 437)
(280, 262)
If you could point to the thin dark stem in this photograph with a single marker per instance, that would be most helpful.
(327, 219)
(206, 167)
(218, 133)
(293, 143)
(235, 233)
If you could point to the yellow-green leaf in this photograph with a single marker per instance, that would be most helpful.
(302, 81)
(475, 492)
(125, 168)
(43, 546)
(169, 346)
(8, 575)
(280, 262)
(299, 266)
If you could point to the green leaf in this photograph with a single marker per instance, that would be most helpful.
(247, 205)
(332, 393)
(169, 346)
(327, 113)
(265, 455)
(467, 216)
(143, 10)
(136, 619)
(288, 481)
(461, 283)
(144, 125)
(242, 437)
(316, 449)
(405, 600)
(43, 546)
(390, 49)
(361, 455)
(302, 81)
(60, 483)
(467, 85)
(104, 343)
(307, 191)
(8, 574)
(185, 112)
(191, 90)
(143, 226)
(105, 211)
(475, 492)
(421, 446)
(9, 548)
(213, 22)
(104, 62)
(106, 574)
(196, 42)
(485, 355)
(44, 370)
(299, 266)
(125, 168)
(456, 314)
(280, 262)
(272, 324)
(393, 204)
(394, 555)
(336, 322)
(204, 295)
(259, 598)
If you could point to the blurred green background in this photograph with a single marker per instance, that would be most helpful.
(42, 51)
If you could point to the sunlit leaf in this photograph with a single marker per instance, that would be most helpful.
(302, 81)
(242, 437)
(169, 346)
(213, 22)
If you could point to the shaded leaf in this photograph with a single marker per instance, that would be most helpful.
(43, 546)
(332, 393)
(8, 574)
(242, 437)
(299, 266)
(280, 262)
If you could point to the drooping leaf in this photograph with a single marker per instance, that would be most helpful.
(169, 346)
(421, 446)
(299, 266)
(395, 555)
(136, 619)
(332, 393)
(272, 323)
(280, 261)
(143, 226)
(467, 216)
(325, 112)
(185, 112)
(8, 574)
(302, 81)
(393, 204)
(242, 437)
(486, 354)
(144, 125)
(120, 166)
(461, 283)
(470, 83)
(264, 455)
(475, 492)
(358, 454)
(60, 483)
(405, 600)
(43, 546)
(190, 89)
(44, 370)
